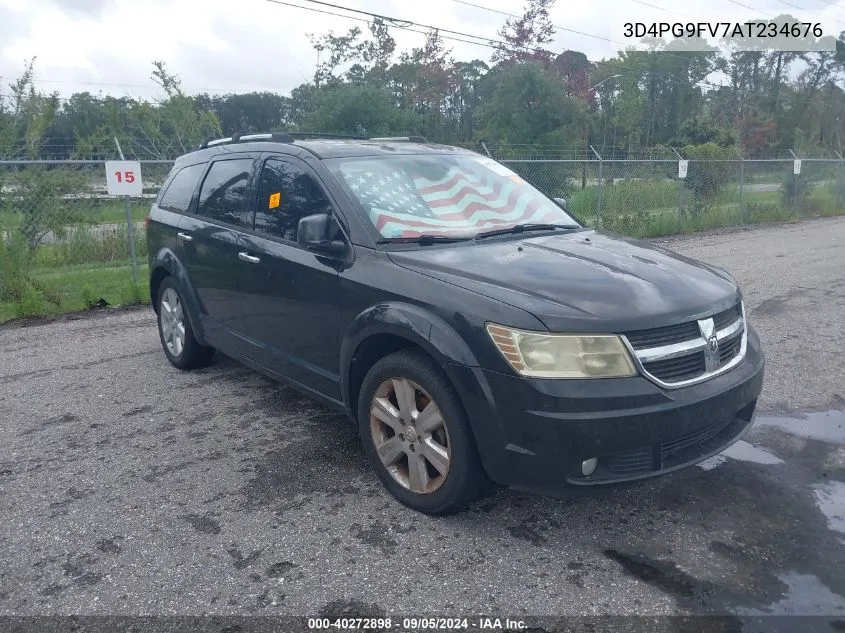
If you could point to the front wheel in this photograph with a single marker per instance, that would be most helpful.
(416, 434)
(174, 328)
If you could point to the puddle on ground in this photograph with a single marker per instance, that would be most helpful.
(824, 426)
(742, 451)
(830, 497)
(805, 595)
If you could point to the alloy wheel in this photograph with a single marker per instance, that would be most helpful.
(410, 435)
(171, 318)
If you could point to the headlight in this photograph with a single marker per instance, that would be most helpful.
(541, 355)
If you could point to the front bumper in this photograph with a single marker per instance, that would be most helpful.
(535, 434)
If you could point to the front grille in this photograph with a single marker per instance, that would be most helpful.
(630, 463)
(726, 317)
(666, 454)
(729, 349)
(677, 369)
(680, 332)
(699, 437)
(656, 337)
(694, 359)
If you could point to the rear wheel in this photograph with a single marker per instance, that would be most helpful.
(177, 337)
(416, 434)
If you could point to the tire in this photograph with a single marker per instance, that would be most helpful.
(175, 332)
(433, 492)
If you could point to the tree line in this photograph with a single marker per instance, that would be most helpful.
(526, 95)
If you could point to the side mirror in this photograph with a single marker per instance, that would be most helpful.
(561, 202)
(313, 233)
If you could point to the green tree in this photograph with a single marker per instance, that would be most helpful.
(529, 105)
(355, 109)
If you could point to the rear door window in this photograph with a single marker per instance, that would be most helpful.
(225, 192)
(177, 196)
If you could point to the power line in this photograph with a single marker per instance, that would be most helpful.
(486, 42)
(654, 6)
(498, 44)
(795, 6)
(397, 22)
(745, 6)
(701, 83)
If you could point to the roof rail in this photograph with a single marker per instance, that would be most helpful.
(276, 137)
(408, 139)
(327, 135)
(290, 137)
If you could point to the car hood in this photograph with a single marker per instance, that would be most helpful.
(582, 281)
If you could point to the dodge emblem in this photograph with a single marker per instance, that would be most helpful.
(712, 361)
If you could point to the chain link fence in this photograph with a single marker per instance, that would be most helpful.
(64, 241)
(648, 198)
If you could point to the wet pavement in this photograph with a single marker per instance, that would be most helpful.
(128, 487)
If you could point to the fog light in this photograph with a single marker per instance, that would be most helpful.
(588, 466)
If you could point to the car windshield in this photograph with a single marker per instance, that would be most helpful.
(448, 196)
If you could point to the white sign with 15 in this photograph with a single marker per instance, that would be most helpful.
(123, 178)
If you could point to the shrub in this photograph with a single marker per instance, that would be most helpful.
(758, 212)
(794, 192)
(708, 172)
(15, 263)
(839, 187)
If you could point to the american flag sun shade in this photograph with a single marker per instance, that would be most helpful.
(409, 196)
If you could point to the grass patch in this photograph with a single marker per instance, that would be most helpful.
(634, 197)
(651, 208)
(669, 222)
(114, 212)
(91, 244)
(73, 288)
(88, 211)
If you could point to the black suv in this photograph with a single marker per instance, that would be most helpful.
(474, 331)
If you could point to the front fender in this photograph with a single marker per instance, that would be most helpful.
(166, 262)
(411, 322)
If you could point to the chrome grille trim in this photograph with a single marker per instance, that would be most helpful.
(699, 344)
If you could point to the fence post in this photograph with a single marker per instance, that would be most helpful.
(680, 191)
(794, 186)
(741, 189)
(484, 145)
(130, 225)
(601, 188)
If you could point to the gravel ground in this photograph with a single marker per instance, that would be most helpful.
(128, 487)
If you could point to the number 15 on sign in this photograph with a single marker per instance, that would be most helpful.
(682, 168)
(123, 178)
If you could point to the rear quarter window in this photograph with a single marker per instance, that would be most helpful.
(177, 196)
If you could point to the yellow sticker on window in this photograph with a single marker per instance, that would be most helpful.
(275, 200)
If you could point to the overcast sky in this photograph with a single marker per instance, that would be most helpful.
(243, 45)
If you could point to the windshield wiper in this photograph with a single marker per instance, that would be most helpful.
(423, 239)
(521, 228)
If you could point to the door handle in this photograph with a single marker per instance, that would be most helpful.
(184, 236)
(246, 257)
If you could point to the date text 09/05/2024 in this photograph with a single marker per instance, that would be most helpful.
(751, 30)
(411, 625)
